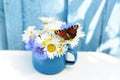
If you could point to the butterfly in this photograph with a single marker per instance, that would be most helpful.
(69, 33)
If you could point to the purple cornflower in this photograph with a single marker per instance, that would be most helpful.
(30, 44)
(39, 51)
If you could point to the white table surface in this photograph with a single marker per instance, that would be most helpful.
(17, 65)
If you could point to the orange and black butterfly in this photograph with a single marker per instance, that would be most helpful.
(69, 33)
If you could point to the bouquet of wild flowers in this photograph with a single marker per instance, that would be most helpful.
(53, 40)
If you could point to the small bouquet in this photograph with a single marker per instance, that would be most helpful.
(53, 40)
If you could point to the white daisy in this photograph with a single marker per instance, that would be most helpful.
(39, 32)
(48, 20)
(50, 43)
(51, 48)
(51, 24)
(28, 33)
(74, 42)
(61, 50)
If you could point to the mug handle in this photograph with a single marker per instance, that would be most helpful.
(74, 53)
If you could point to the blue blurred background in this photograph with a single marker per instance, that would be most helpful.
(100, 20)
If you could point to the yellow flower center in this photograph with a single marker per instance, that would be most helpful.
(53, 30)
(60, 50)
(31, 34)
(45, 22)
(51, 47)
(45, 41)
(71, 40)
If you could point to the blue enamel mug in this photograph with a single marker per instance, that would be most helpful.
(53, 66)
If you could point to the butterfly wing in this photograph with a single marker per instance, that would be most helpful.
(63, 34)
(69, 33)
(72, 31)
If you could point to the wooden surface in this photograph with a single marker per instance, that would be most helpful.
(13, 23)
(99, 18)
